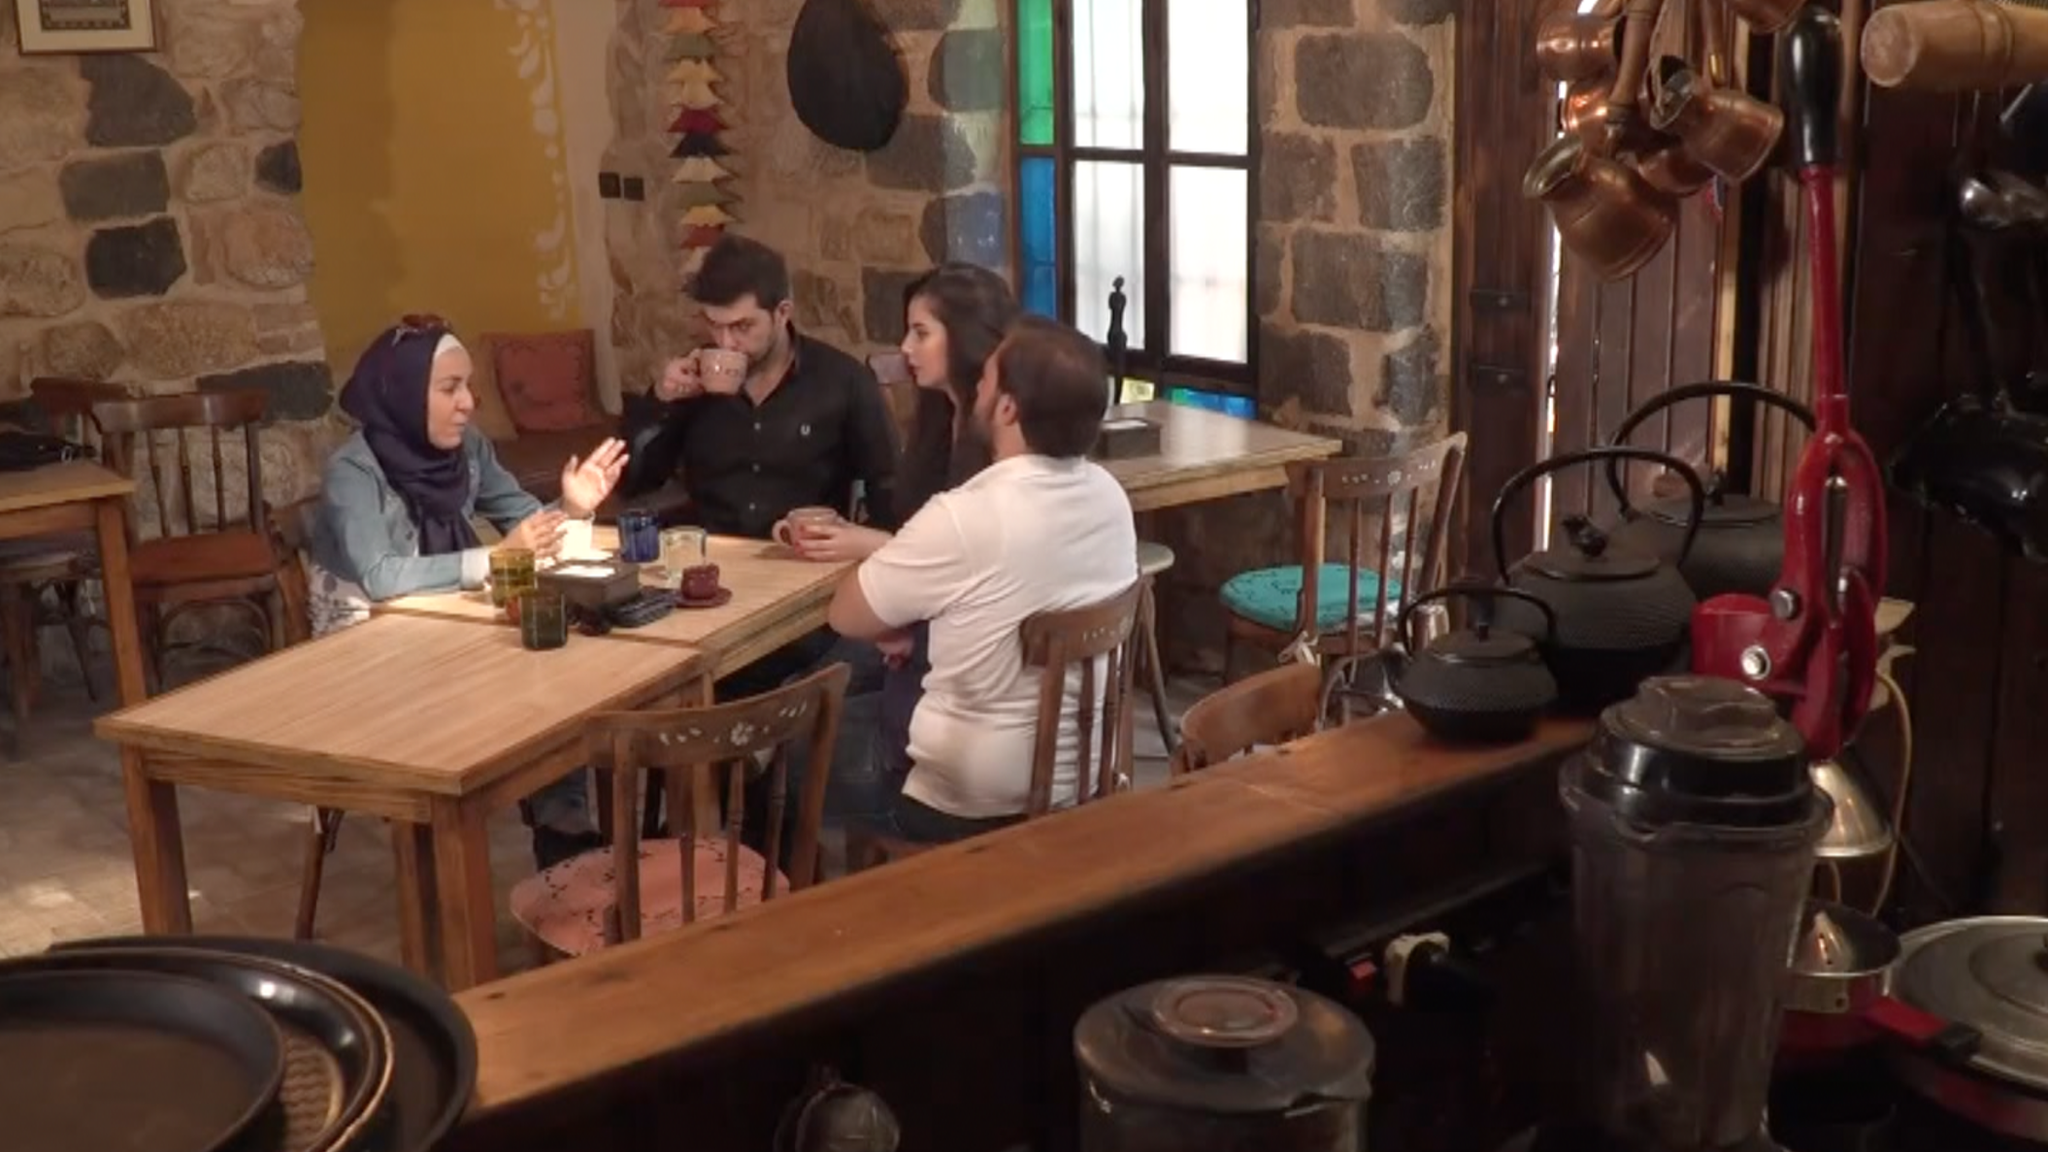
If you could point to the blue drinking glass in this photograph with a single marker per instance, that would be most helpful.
(639, 536)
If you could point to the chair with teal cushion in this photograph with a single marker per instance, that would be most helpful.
(1395, 513)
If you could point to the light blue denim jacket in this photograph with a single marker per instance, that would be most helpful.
(364, 532)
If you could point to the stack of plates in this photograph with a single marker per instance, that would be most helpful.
(219, 1044)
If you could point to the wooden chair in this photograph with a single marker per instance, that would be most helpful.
(1290, 609)
(1270, 707)
(232, 561)
(1105, 634)
(619, 893)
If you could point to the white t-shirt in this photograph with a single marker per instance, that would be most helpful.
(1026, 535)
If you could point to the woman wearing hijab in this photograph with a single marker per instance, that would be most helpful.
(398, 498)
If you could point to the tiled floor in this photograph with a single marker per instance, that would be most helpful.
(65, 869)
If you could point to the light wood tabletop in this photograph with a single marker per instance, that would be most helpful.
(81, 496)
(776, 598)
(429, 723)
(1206, 455)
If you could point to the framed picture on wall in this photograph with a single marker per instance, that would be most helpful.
(65, 26)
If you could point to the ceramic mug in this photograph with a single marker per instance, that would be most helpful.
(721, 370)
(799, 521)
(576, 538)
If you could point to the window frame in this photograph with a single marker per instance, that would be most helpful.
(1153, 362)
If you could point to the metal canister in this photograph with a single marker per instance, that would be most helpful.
(1215, 1063)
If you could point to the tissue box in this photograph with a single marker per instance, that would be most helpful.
(1125, 437)
(593, 584)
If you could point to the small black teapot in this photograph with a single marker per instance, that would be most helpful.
(1478, 684)
(1619, 614)
(1741, 542)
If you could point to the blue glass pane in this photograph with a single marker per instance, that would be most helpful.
(1242, 407)
(1039, 276)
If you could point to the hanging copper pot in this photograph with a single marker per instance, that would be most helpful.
(1726, 130)
(1767, 16)
(1670, 169)
(1605, 213)
(1580, 47)
(1610, 133)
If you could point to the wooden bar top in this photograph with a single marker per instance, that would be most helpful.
(1197, 444)
(407, 701)
(60, 484)
(655, 1001)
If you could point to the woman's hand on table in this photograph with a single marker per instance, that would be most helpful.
(540, 533)
(586, 482)
(839, 541)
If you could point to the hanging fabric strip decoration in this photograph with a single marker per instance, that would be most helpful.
(702, 236)
(689, 22)
(693, 144)
(703, 120)
(697, 96)
(694, 72)
(691, 48)
(698, 195)
(689, 3)
(708, 216)
(700, 170)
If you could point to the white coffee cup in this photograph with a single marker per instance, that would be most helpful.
(576, 538)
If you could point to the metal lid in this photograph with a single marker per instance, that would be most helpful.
(1991, 973)
(1584, 554)
(1483, 644)
(1226, 1045)
(1700, 750)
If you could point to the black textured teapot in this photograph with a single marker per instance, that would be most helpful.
(1480, 684)
(1620, 614)
(1740, 546)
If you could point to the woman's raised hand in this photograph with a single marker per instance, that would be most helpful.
(586, 482)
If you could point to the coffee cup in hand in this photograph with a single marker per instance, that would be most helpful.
(791, 529)
(721, 370)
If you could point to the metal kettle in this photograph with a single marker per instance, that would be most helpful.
(1620, 614)
(1478, 684)
(1740, 545)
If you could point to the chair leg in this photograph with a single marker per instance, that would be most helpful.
(18, 621)
(80, 629)
(1155, 680)
(320, 840)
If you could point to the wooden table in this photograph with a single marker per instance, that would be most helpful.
(776, 598)
(1207, 455)
(81, 496)
(428, 723)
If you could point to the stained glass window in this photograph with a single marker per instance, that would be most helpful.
(1037, 206)
(1034, 72)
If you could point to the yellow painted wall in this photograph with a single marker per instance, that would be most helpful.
(435, 166)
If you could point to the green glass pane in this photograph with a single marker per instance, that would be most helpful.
(1034, 71)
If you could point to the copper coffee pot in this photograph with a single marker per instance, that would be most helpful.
(1671, 169)
(1605, 213)
(1728, 131)
(1580, 47)
(1608, 134)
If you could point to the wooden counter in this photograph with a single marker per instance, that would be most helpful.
(630, 1030)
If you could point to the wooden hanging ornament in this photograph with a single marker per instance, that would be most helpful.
(694, 72)
(698, 144)
(700, 170)
(694, 47)
(708, 216)
(696, 95)
(700, 120)
(688, 22)
(703, 193)
(702, 236)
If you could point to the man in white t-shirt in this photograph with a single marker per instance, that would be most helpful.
(1042, 529)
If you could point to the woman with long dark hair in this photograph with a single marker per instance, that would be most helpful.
(953, 317)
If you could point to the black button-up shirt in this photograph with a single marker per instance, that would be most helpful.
(745, 465)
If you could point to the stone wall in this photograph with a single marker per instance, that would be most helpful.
(855, 226)
(149, 228)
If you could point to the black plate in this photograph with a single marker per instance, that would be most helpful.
(433, 1046)
(114, 1061)
(338, 1052)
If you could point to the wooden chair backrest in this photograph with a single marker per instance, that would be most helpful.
(68, 405)
(291, 532)
(1056, 641)
(722, 737)
(1270, 707)
(1394, 488)
(150, 440)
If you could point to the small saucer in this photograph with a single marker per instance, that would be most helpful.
(724, 596)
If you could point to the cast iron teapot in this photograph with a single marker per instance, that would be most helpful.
(1741, 542)
(1620, 614)
(1478, 684)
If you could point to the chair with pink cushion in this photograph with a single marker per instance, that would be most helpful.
(637, 887)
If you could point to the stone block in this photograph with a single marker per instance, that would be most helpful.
(205, 46)
(882, 303)
(1344, 280)
(278, 317)
(299, 389)
(138, 260)
(291, 340)
(172, 339)
(1403, 185)
(261, 245)
(1314, 366)
(1297, 178)
(29, 200)
(134, 103)
(38, 281)
(927, 154)
(1420, 13)
(1270, 271)
(255, 105)
(970, 70)
(82, 350)
(41, 110)
(129, 184)
(1280, 15)
(277, 167)
(1378, 80)
(972, 226)
(824, 302)
(1412, 386)
(886, 236)
(216, 171)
